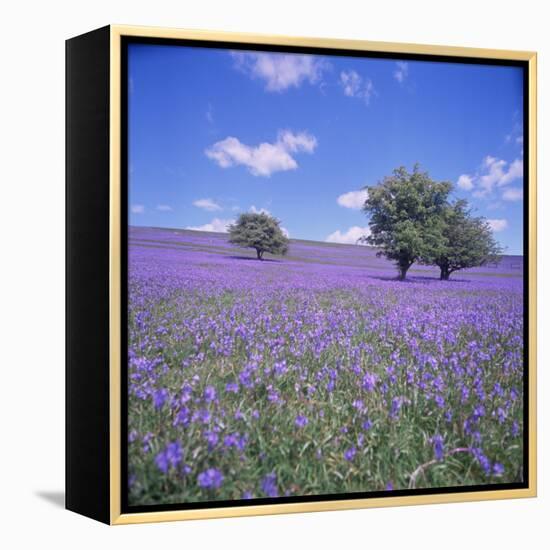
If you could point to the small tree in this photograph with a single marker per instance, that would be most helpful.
(259, 231)
(468, 241)
(405, 212)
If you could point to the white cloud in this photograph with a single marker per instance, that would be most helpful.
(263, 159)
(217, 225)
(210, 114)
(465, 182)
(497, 173)
(137, 209)
(164, 208)
(498, 225)
(302, 141)
(354, 86)
(519, 140)
(400, 74)
(494, 173)
(281, 71)
(351, 82)
(351, 236)
(513, 194)
(353, 199)
(207, 204)
(515, 171)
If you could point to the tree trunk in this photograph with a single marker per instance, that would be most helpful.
(403, 272)
(259, 253)
(445, 273)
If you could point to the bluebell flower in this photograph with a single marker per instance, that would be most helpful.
(232, 387)
(210, 393)
(437, 442)
(159, 398)
(269, 485)
(170, 457)
(301, 421)
(369, 382)
(350, 453)
(210, 479)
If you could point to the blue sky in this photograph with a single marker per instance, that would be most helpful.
(213, 133)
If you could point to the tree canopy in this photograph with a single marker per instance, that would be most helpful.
(412, 220)
(467, 241)
(259, 231)
(406, 220)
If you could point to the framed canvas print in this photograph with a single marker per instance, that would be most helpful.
(300, 274)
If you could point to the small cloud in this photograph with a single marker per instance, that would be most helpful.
(353, 199)
(516, 134)
(164, 208)
(465, 182)
(207, 204)
(281, 71)
(210, 114)
(354, 86)
(494, 173)
(498, 225)
(137, 209)
(302, 141)
(263, 159)
(513, 194)
(217, 225)
(351, 236)
(400, 74)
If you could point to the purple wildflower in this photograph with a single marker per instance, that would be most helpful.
(269, 485)
(301, 421)
(437, 442)
(159, 398)
(170, 457)
(232, 387)
(369, 382)
(210, 393)
(210, 479)
(350, 453)
(482, 460)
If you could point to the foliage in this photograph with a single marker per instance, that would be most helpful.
(405, 212)
(259, 231)
(467, 241)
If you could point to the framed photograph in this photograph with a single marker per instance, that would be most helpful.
(300, 274)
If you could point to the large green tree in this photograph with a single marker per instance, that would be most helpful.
(406, 221)
(467, 241)
(259, 231)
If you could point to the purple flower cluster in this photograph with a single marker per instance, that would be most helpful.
(210, 479)
(170, 457)
(315, 366)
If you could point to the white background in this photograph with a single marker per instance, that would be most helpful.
(32, 272)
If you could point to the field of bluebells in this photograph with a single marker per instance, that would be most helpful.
(316, 373)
